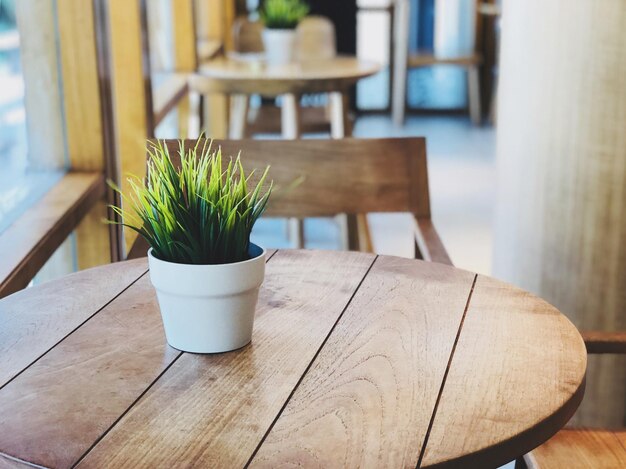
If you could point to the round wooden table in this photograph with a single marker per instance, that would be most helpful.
(230, 75)
(241, 78)
(357, 360)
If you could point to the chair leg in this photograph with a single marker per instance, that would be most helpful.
(296, 232)
(400, 46)
(355, 232)
(238, 116)
(473, 88)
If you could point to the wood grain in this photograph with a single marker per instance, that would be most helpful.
(581, 449)
(369, 395)
(510, 340)
(34, 320)
(29, 242)
(212, 411)
(56, 409)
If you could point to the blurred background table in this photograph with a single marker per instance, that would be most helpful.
(242, 75)
(356, 358)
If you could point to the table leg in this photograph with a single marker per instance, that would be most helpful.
(238, 116)
(339, 121)
(473, 93)
(290, 117)
(291, 130)
(401, 46)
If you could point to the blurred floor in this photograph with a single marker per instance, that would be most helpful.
(461, 165)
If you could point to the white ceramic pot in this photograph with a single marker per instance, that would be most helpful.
(279, 45)
(208, 308)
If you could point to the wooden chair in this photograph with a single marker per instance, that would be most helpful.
(315, 40)
(584, 448)
(247, 36)
(354, 176)
(403, 61)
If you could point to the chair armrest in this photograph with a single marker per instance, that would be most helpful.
(605, 342)
(428, 243)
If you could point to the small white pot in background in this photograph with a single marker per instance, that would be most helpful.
(208, 308)
(279, 45)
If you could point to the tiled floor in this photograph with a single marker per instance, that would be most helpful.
(461, 166)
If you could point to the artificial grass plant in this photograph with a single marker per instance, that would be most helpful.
(283, 14)
(198, 213)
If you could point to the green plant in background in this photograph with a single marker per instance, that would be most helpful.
(198, 213)
(283, 14)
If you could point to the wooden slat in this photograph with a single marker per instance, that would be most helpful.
(477, 424)
(368, 398)
(203, 404)
(34, 320)
(131, 93)
(364, 175)
(168, 95)
(428, 59)
(267, 120)
(581, 449)
(605, 342)
(27, 244)
(41, 423)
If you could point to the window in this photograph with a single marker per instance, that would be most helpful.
(24, 177)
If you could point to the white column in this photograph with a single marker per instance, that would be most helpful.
(561, 216)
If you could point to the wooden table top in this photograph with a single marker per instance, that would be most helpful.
(229, 75)
(356, 360)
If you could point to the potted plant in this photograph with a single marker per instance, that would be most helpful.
(197, 218)
(279, 36)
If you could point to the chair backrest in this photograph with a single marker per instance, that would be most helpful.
(316, 38)
(247, 35)
(336, 176)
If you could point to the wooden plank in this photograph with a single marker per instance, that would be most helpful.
(507, 335)
(27, 244)
(34, 320)
(132, 99)
(213, 410)
(185, 54)
(369, 395)
(81, 92)
(56, 409)
(580, 449)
